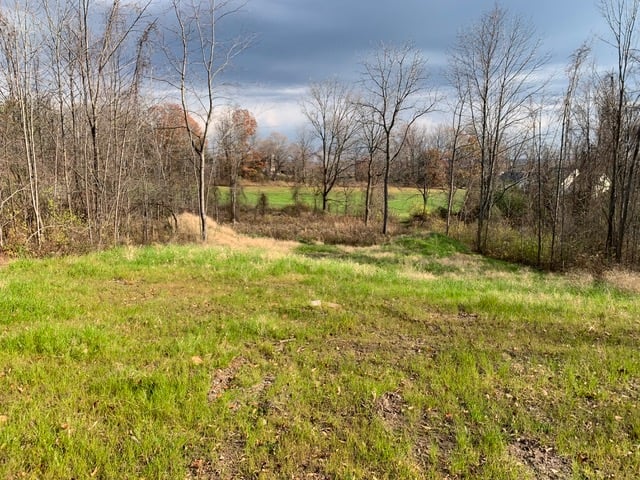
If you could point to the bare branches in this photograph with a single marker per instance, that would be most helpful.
(495, 65)
(395, 93)
(331, 112)
(202, 58)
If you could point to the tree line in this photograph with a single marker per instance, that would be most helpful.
(92, 154)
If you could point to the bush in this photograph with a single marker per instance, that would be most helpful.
(511, 203)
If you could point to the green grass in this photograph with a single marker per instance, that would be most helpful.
(408, 360)
(403, 202)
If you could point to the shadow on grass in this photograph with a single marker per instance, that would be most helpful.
(333, 252)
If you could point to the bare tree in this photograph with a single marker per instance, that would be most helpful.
(198, 64)
(371, 137)
(301, 153)
(236, 130)
(330, 110)
(621, 17)
(20, 48)
(274, 155)
(495, 62)
(573, 73)
(456, 134)
(103, 60)
(394, 82)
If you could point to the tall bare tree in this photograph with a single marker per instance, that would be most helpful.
(573, 73)
(495, 62)
(103, 55)
(371, 137)
(621, 17)
(20, 45)
(236, 130)
(197, 67)
(454, 154)
(395, 91)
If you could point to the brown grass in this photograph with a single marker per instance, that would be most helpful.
(623, 279)
(220, 235)
(317, 227)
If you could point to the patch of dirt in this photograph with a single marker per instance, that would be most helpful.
(227, 464)
(223, 377)
(543, 462)
(391, 407)
(435, 441)
(229, 456)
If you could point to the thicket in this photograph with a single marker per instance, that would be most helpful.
(89, 157)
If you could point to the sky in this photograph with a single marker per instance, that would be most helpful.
(297, 42)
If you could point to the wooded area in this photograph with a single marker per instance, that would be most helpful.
(94, 154)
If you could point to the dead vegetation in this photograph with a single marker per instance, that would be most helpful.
(188, 230)
(309, 227)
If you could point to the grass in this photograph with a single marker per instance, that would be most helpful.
(409, 360)
(403, 202)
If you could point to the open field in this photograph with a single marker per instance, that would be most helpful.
(254, 359)
(402, 201)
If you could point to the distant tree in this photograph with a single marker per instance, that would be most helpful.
(494, 63)
(274, 155)
(301, 151)
(170, 164)
(371, 137)
(395, 92)
(455, 148)
(421, 164)
(235, 133)
(558, 214)
(330, 110)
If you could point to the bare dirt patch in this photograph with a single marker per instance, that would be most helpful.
(544, 463)
(223, 377)
(391, 406)
(230, 457)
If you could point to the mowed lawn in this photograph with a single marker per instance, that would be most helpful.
(404, 361)
(403, 202)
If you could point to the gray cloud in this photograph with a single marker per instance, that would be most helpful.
(299, 41)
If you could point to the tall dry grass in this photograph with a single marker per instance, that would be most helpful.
(188, 230)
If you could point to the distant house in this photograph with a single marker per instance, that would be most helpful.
(602, 185)
(513, 177)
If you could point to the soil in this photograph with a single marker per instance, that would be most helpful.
(543, 462)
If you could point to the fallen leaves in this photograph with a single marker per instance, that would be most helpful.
(197, 360)
(320, 304)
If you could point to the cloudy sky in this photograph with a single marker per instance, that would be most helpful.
(300, 41)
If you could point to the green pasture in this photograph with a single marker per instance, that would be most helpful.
(403, 202)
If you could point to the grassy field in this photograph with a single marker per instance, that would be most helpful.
(266, 360)
(402, 201)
